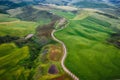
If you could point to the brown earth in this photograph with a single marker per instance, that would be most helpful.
(63, 77)
(55, 53)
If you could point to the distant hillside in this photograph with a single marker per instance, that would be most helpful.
(79, 3)
(83, 3)
(31, 14)
(92, 4)
(11, 4)
(115, 2)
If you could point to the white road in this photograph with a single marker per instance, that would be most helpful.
(64, 56)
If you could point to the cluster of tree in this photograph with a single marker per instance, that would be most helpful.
(115, 39)
(45, 30)
(7, 39)
(108, 15)
(35, 44)
(31, 14)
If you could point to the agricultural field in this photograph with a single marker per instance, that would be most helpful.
(59, 40)
(31, 13)
(33, 58)
(7, 18)
(49, 64)
(10, 61)
(62, 13)
(89, 55)
(11, 55)
(18, 28)
(15, 27)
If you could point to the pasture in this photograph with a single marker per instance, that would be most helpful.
(90, 56)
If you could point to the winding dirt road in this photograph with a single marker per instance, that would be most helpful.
(64, 56)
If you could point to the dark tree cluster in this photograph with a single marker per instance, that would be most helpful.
(7, 39)
(115, 39)
(31, 14)
(108, 15)
(45, 30)
(35, 44)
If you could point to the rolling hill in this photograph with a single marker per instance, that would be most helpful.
(88, 48)
(90, 30)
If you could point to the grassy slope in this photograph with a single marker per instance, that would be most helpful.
(20, 28)
(11, 56)
(92, 57)
(15, 27)
(65, 14)
(18, 67)
(9, 61)
(6, 18)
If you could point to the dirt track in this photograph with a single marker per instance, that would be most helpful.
(64, 56)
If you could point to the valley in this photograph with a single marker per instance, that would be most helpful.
(59, 40)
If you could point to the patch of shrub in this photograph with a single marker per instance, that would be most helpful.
(115, 39)
(8, 39)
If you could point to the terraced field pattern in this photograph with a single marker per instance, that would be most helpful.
(90, 34)
(90, 55)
